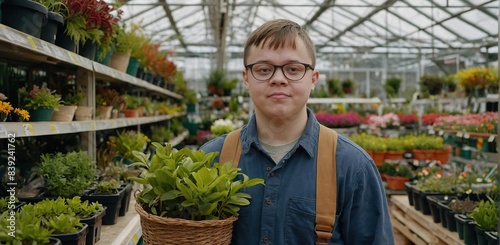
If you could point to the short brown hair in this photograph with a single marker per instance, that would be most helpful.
(278, 33)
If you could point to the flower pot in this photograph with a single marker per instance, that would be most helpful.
(378, 157)
(126, 199)
(64, 113)
(111, 201)
(409, 192)
(131, 112)
(24, 15)
(448, 216)
(64, 41)
(469, 233)
(1, 1)
(443, 212)
(416, 196)
(421, 155)
(88, 50)
(424, 203)
(54, 22)
(104, 112)
(443, 156)
(157, 230)
(394, 155)
(95, 225)
(480, 236)
(434, 207)
(77, 238)
(83, 113)
(41, 114)
(492, 237)
(53, 240)
(119, 61)
(133, 66)
(106, 59)
(395, 182)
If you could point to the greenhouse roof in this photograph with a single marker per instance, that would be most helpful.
(344, 31)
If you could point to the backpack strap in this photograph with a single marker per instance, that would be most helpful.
(326, 184)
(231, 149)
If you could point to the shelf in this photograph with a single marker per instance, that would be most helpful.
(179, 138)
(417, 227)
(474, 162)
(107, 73)
(23, 47)
(126, 231)
(26, 129)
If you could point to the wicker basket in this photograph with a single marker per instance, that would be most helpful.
(163, 230)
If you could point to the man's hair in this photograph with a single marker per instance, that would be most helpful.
(278, 34)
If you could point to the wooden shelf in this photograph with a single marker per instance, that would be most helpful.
(417, 227)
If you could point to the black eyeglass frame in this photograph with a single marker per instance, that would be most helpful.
(307, 66)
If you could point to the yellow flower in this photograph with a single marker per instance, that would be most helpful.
(5, 108)
(23, 114)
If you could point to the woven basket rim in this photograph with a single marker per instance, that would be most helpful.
(182, 222)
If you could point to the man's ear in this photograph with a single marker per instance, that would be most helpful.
(244, 74)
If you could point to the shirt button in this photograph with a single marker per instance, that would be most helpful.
(265, 239)
(268, 201)
(268, 168)
(272, 174)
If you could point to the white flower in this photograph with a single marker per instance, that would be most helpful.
(2, 97)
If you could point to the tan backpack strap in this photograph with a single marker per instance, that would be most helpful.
(231, 149)
(326, 184)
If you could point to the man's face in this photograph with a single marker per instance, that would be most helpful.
(279, 97)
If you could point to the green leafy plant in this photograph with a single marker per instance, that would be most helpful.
(391, 86)
(107, 187)
(132, 102)
(486, 215)
(190, 97)
(67, 175)
(431, 84)
(74, 99)
(40, 97)
(29, 229)
(333, 85)
(128, 141)
(183, 184)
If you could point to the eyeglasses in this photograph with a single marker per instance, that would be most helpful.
(292, 71)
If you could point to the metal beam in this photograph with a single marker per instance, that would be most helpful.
(322, 8)
(481, 8)
(168, 13)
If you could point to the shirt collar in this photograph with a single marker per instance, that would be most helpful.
(308, 141)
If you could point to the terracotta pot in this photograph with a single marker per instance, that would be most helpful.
(423, 154)
(396, 182)
(119, 61)
(104, 112)
(65, 113)
(378, 157)
(131, 112)
(394, 155)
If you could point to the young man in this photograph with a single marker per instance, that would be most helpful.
(279, 144)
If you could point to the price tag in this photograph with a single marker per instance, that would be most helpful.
(460, 134)
(491, 138)
(76, 126)
(73, 57)
(113, 124)
(92, 126)
(3, 132)
(46, 48)
(28, 129)
(54, 129)
(30, 40)
(466, 136)
(363, 126)
(441, 132)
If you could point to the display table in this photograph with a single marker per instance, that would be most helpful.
(417, 227)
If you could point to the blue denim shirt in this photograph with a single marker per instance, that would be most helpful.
(284, 210)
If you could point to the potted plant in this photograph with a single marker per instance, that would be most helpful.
(107, 194)
(185, 194)
(190, 98)
(347, 86)
(132, 105)
(127, 141)
(221, 126)
(40, 101)
(391, 86)
(214, 82)
(67, 110)
(66, 175)
(29, 229)
(431, 84)
(458, 213)
(55, 19)
(397, 178)
(109, 102)
(333, 85)
(395, 149)
(485, 217)
(450, 84)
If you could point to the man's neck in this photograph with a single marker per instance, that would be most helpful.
(280, 131)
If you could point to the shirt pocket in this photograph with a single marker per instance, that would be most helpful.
(300, 220)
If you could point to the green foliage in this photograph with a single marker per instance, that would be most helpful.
(74, 99)
(132, 102)
(432, 84)
(428, 142)
(29, 229)
(462, 206)
(128, 141)
(320, 92)
(107, 187)
(67, 175)
(39, 97)
(394, 144)
(216, 78)
(183, 184)
(391, 86)
(333, 85)
(347, 83)
(190, 97)
(486, 215)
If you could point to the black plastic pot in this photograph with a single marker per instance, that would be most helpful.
(64, 41)
(492, 237)
(467, 225)
(448, 215)
(416, 196)
(434, 207)
(54, 241)
(409, 192)
(113, 203)
(24, 15)
(95, 225)
(49, 28)
(77, 238)
(480, 236)
(126, 199)
(88, 50)
(424, 203)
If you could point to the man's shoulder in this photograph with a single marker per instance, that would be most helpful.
(214, 144)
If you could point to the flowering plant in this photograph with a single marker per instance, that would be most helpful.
(388, 120)
(40, 97)
(6, 108)
(408, 119)
(331, 120)
(218, 104)
(475, 123)
(473, 77)
(222, 126)
(430, 118)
